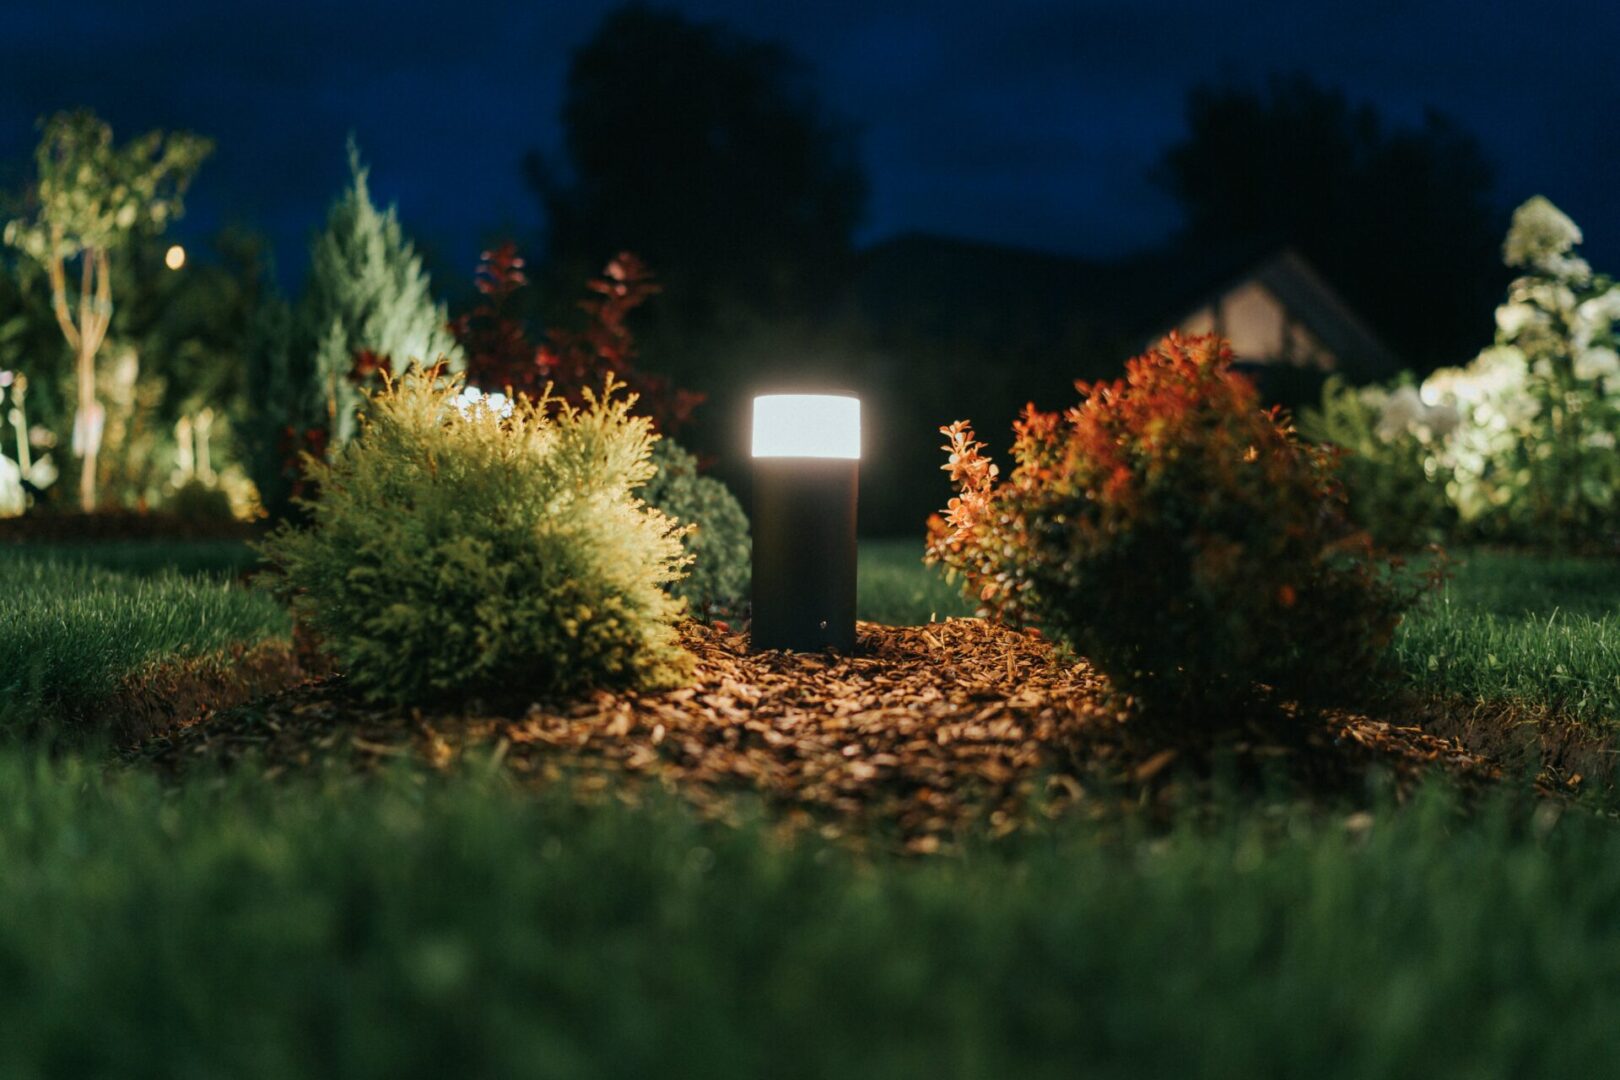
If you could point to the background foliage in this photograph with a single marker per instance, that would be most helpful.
(718, 542)
(1395, 483)
(88, 199)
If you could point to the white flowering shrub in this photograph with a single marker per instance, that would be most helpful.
(1535, 460)
(27, 473)
(1394, 472)
(1521, 440)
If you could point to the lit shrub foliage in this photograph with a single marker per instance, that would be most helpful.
(717, 540)
(1176, 534)
(460, 547)
(1394, 477)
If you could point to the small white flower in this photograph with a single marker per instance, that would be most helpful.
(1570, 267)
(472, 400)
(1594, 317)
(43, 473)
(1496, 372)
(1546, 295)
(1599, 363)
(1512, 318)
(13, 499)
(1540, 233)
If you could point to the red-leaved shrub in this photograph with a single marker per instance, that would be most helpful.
(1178, 535)
(501, 356)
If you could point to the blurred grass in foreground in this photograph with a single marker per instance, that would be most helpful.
(437, 926)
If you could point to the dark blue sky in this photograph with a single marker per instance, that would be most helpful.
(1017, 121)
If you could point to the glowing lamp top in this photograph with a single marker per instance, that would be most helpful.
(807, 426)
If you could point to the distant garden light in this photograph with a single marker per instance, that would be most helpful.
(175, 257)
(806, 450)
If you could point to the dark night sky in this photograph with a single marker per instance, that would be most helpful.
(1018, 121)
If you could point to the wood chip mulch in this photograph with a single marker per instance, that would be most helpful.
(924, 732)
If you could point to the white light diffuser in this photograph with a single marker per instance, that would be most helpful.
(807, 426)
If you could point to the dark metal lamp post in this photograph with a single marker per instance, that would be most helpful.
(807, 459)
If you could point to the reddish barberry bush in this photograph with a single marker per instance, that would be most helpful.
(571, 362)
(1179, 536)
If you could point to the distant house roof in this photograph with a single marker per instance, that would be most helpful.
(1315, 305)
(972, 291)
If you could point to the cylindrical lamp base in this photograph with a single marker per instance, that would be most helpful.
(804, 553)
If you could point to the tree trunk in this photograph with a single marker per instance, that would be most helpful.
(89, 427)
(95, 316)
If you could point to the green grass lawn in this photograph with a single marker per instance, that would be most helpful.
(894, 587)
(71, 630)
(225, 558)
(1538, 629)
(75, 619)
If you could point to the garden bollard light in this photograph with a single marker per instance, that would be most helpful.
(807, 451)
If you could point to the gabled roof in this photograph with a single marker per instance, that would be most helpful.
(972, 291)
(1296, 284)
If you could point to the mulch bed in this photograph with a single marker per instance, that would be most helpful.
(925, 732)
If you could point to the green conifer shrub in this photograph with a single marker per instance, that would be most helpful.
(369, 303)
(367, 308)
(461, 548)
(718, 539)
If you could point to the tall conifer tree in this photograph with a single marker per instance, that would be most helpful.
(369, 301)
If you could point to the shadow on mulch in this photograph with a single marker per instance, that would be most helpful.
(924, 733)
(1562, 754)
(175, 693)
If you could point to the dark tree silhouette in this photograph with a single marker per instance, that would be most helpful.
(708, 154)
(1400, 219)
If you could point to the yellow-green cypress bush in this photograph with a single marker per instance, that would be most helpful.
(459, 547)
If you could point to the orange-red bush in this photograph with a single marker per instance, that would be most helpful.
(1176, 534)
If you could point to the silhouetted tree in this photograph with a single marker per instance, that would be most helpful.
(1400, 219)
(707, 153)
